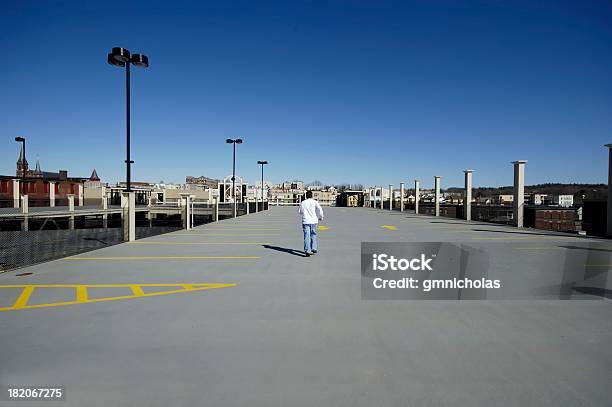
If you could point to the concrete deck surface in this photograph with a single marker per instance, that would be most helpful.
(294, 331)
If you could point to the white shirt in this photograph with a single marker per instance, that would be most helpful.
(311, 211)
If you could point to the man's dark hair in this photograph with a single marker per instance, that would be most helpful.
(308, 194)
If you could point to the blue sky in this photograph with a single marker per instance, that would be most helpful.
(371, 92)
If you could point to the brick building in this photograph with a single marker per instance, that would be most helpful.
(42, 187)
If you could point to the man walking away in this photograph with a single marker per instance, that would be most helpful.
(311, 213)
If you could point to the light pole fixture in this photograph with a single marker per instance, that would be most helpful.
(262, 163)
(23, 161)
(234, 142)
(121, 58)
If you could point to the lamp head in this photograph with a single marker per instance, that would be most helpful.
(238, 141)
(262, 162)
(113, 61)
(121, 55)
(229, 141)
(20, 139)
(140, 60)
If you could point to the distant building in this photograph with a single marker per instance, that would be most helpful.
(203, 181)
(93, 181)
(538, 199)
(42, 187)
(564, 200)
(503, 199)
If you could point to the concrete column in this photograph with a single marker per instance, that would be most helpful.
(80, 191)
(71, 222)
(51, 193)
(191, 218)
(104, 199)
(128, 216)
(467, 198)
(216, 209)
(150, 201)
(609, 222)
(25, 225)
(417, 192)
(24, 204)
(105, 221)
(402, 197)
(247, 206)
(71, 202)
(390, 197)
(186, 199)
(519, 192)
(16, 193)
(437, 194)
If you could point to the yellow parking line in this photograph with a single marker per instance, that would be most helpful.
(199, 243)
(165, 258)
(81, 293)
(388, 227)
(127, 285)
(137, 293)
(137, 290)
(24, 297)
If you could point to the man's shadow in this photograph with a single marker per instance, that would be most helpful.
(294, 252)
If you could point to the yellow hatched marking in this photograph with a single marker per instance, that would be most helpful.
(137, 291)
(388, 227)
(81, 293)
(323, 228)
(25, 295)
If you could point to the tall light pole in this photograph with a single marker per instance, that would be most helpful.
(234, 142)
(262, 163)
(121, 57)
(23, 161)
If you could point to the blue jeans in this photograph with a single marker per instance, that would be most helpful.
(310, 237)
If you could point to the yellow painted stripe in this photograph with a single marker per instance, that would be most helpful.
(81, 293)
(165, 258)
(123, 297)
(199, 243)
(388, 227)
(323, 227)
(109, 285)
(22, 301)
(137, 290)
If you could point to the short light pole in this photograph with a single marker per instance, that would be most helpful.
(234, 142)
(262, 163)
(121, 57)
(23, 161)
